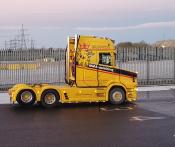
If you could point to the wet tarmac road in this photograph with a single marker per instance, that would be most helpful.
(148, 123)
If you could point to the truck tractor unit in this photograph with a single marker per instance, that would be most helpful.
(91, 75)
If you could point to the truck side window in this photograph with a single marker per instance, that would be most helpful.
(105, 58)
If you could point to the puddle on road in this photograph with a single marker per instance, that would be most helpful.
(152, 96)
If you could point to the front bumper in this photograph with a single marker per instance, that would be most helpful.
(132, 94)
(12, 96)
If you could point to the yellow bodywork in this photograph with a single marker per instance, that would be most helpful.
(72, 94)
(88, 79)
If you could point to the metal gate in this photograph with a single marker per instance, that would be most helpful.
(155, 66)
(31, 66)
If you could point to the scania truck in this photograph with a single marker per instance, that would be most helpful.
(91, 75)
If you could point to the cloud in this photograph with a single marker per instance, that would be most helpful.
(8, 27)
(140, 26)
(50, 28)
(41, 27)
(21, 8)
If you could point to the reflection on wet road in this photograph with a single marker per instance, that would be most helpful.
(158, 101)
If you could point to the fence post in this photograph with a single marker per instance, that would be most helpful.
(174, 65)
(148, 67)
(118, 58)
(59, 60)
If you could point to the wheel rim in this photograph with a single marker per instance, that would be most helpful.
(117, 96)
(50, 98)
(26, 97)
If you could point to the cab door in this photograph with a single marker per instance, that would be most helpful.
(106, 68)
(86, 68)
(90, 71)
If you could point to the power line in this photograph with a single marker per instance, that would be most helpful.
(20, 41)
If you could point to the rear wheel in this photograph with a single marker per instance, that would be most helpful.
(26, 97)
(117, 96)
(50, 99)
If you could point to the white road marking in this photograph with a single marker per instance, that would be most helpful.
(144, 118)
(116, 109)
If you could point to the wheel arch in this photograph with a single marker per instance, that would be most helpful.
(116, 86)
(46, 102)
(32, 101)
(57, 91)
(24, 88)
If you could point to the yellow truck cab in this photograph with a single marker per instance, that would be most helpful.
(91, 75)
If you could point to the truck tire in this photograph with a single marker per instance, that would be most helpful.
(117, 96)
(26, 97)
(50, 99)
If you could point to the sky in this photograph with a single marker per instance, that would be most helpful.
(50, 22)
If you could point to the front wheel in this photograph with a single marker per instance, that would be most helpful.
(26, 97)
(117, 96)
(50, 98)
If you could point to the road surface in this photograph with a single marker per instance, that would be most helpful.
(150, 122)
